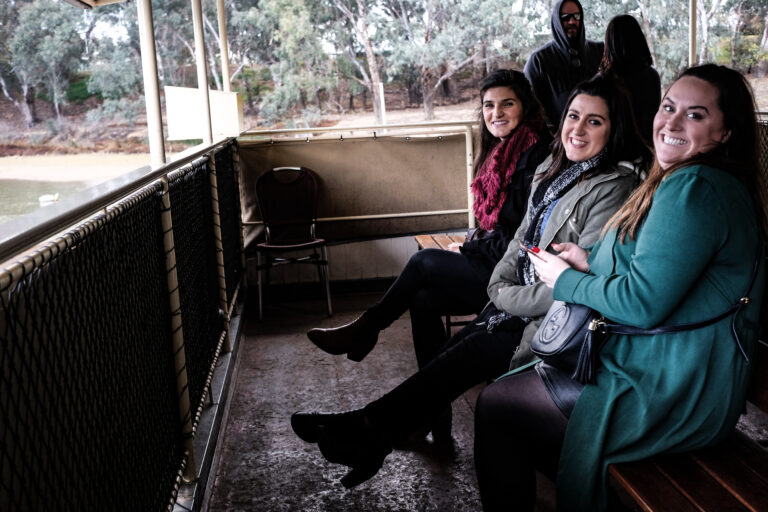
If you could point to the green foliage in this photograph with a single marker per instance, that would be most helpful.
(78, 90)
(116, 71)
(46, 46)
(300, 55)
(122, 109)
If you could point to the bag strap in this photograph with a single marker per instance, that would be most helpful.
(611, 328)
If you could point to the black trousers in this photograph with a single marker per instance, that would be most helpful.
(471, 357)
(433, 283)
(518, 430)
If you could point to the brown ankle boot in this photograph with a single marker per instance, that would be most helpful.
(356, 339)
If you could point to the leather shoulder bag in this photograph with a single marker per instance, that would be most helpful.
(571, 335)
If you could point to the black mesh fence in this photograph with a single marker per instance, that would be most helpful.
(89, 415)
(763, 144)
(191, 210)
(229, 211)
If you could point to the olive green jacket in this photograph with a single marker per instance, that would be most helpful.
(578, 217)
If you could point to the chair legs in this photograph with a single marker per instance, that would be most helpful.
(260, 284)
(321, 260)
(323, 270)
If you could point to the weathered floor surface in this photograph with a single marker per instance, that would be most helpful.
(263, 466)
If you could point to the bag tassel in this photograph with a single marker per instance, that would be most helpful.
(588, 355)
(584, 371)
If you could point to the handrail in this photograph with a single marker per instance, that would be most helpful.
(259, 135)
(22, 233)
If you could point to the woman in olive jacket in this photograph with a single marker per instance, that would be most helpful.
(575, 193)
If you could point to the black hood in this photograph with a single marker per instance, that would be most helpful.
(558, 32)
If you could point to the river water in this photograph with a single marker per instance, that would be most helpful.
(18, 197)
(23, 179)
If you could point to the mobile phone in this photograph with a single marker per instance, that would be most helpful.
(530, 249)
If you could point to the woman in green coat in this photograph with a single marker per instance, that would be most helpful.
(681, 250)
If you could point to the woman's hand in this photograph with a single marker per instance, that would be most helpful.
(548, 266)
(454, 247)
(574, 255)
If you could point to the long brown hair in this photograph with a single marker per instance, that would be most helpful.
(737, 155)
(624, 143)
(533, 114)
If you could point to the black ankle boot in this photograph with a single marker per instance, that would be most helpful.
(441, 428)
(307, 425)
(356, 339)
(354, 443)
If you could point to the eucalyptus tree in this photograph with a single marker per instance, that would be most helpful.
(47, 47)
(17, 85)
(440, 38)
(355, 23)
(300, 67)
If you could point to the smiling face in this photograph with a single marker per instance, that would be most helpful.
(586, 127)
(689, 121)
(502, 111)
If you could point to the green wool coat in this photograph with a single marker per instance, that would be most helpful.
(692, 258)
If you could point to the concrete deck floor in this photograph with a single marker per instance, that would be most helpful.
(263, 466)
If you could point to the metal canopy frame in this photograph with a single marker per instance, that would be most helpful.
(149, 68)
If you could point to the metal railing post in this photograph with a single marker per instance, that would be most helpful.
(470, 165)
(177, 333)
(223, 308)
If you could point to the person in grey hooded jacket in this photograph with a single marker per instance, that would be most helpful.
(554, 69)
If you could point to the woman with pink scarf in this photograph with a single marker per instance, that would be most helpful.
(436, 282)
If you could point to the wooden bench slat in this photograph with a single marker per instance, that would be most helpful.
(443, 241)
(646, 486)
(740, 468)
(426, 242)
(459, 239)
(696, 484)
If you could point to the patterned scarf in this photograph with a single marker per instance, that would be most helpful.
(543, 198)
(546, 194)
(490, 185)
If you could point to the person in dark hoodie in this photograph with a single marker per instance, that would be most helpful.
(554, 69)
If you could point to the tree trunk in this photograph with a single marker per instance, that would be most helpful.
(762, 64)
(429, 95)
(704, 24)
(30, 113)
(646, 19)
(212, 67)
(373, 69)
(247, 87)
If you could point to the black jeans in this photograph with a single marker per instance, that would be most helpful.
(433, 283)
(471, 357)
(518, 430)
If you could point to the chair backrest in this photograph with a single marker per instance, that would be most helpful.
(287, 198)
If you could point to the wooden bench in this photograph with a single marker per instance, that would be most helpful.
(442, 241)
(730, 476)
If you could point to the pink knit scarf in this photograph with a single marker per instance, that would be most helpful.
(490, 185)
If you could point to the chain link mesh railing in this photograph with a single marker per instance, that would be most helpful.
(762, 133)
(195, 247)
(229, 211)
(89, 415)
(96, 388)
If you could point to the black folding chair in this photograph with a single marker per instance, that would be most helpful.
(287, 198)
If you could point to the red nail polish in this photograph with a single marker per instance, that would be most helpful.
(535, 249)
